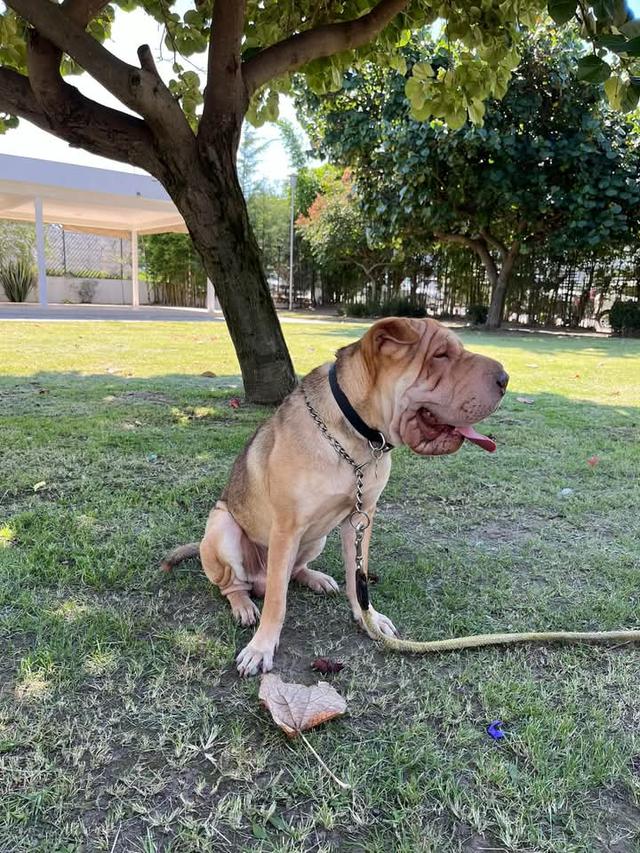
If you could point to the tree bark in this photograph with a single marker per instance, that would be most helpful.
(500, 286)
(498, 298)
(211, 202)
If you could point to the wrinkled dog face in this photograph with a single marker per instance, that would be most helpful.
(439, 389)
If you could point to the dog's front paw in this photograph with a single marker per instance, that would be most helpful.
(255, 657)
(384, 625)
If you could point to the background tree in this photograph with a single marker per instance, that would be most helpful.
(174, 271)
(250, 156)
(338, 236)
(270, 219)
(551, 164)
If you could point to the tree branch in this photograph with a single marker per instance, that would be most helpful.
(81, 122)
(478, 246)
(225, 97)
(139, 89)
(298, 50)
(461, 239)
(43, 66)
(83, 11)
(510, 258)
(493, 241)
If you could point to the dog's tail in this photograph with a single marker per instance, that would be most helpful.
(179, 555)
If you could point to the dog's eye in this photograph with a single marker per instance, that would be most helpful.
(441, 354)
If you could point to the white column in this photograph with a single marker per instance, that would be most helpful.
(135, 281)
(292, 188)
(212, 302)
(42, 261)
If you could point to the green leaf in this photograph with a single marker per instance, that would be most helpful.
(614, 43)
(278, 822)
(562, 10)
(258, 831)
(398, 63)
(476, 110)
(193, 18)
(423, 70)
(592, 69)
(630, 97)
(421, 113)
(414, 90)
(632, 48)
(456, 119)
(614, 90)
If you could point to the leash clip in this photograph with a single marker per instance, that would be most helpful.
(378, 450)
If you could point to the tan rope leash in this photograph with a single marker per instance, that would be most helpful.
(475, 641)
(360, 520)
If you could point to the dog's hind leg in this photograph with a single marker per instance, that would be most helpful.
(221, 553)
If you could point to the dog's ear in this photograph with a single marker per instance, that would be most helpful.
(391, 338)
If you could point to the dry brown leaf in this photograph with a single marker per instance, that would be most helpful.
(296, 707)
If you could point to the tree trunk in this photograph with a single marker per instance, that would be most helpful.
(498, 298)
(210, 199)
(499, 287)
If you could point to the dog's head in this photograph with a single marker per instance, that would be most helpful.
(429, 388)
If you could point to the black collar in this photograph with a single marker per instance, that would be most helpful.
(375, 438)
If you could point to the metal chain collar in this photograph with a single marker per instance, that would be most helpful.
(359, 519)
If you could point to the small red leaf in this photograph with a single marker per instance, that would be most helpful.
(234, 403)
(327, 666)
(593, 461)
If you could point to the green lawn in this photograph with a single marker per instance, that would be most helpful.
(123, 724)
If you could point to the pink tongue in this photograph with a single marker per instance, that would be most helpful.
(471, 434)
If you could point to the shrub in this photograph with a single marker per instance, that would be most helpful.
(401, 306)
(18, 278)
(477, 314)
(398, 306)
(361, 309)
(624, 318)
(86, 291)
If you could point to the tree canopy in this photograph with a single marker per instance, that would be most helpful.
(551, 163)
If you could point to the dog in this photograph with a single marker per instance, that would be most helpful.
(405, 382)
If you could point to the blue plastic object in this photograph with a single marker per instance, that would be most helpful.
(494, 730)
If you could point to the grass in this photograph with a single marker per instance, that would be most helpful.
(123, 726)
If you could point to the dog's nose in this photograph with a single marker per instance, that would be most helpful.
(502, 380)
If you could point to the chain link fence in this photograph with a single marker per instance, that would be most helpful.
(82, 255)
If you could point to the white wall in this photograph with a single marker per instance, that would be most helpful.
(108, 291)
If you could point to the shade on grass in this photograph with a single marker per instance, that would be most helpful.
(121, 717)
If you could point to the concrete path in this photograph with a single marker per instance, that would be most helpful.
(28, 311)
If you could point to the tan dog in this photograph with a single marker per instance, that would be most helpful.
(411, 380)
